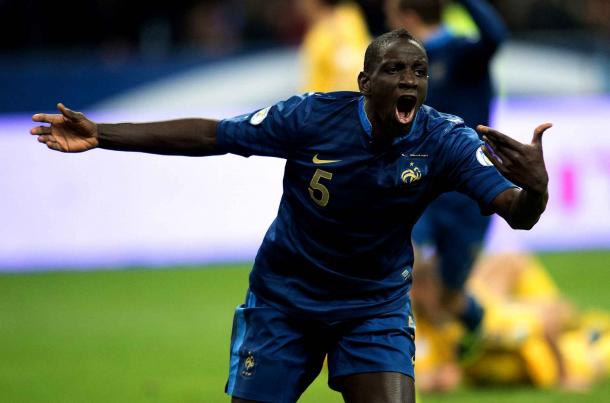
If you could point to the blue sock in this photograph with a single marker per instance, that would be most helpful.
(473, 314)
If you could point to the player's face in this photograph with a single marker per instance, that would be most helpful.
(398, 85)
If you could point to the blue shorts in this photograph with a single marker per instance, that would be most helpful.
(274, 357)
(453, 229)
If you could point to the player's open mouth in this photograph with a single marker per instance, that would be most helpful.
(405, 109)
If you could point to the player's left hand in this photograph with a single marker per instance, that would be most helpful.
(522, 164)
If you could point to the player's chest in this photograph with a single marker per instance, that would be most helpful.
(338, 180)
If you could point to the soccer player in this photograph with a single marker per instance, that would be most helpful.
(530, 334)
(333, 273)
(332, 49)
(450, 233)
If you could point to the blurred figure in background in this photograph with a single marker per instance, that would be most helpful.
(530, 335)
(333, 46)
(450, 233)
(213, 27)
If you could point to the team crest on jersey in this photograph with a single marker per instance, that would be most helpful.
(259, 116)
(248, 366)
(412, 174)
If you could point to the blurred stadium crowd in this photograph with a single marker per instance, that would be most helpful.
(66, 46)
(130, 28)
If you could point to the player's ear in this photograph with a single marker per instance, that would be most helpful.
(364, 83)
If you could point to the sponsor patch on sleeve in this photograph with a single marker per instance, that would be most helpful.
(259, 116)
(482, 158)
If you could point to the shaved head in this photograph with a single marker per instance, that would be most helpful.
(376, 48)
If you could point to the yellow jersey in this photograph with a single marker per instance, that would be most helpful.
(333, 50)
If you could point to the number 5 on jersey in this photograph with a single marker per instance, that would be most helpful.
(321, 197)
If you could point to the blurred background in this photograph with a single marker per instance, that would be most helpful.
(77, 331)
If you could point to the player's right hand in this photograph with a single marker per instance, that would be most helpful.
(70, 132)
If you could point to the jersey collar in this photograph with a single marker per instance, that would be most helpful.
(368, 127)
(364, 120)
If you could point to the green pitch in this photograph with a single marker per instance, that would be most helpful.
(157, 335)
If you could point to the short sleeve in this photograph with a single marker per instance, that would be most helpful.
(272, 131)
(470, 171)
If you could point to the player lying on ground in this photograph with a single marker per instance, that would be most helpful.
(531, 335)
(333, 273)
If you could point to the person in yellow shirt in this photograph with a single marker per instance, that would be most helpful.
(530, 335)
(531, 323)
(335, 41)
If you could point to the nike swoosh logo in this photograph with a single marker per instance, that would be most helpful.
(316, 160)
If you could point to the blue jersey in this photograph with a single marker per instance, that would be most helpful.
(459, 81)
(340, 245)
(460, 84)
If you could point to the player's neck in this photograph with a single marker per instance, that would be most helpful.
(383, 132)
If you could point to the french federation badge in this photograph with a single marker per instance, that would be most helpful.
(413, 173)
(248, 366)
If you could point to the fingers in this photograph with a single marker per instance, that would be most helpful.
(50, 142)
(53, 145)
(497, 151)
(40, 130)
(491, 155)
(502, 157)
(498, 138)
(56, 118)
(70, 114)
(497, 157)
(46, 118)
(45, 138)
(539, 131)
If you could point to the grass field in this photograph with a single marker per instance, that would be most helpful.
(162, 335)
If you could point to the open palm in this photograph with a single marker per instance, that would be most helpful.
(69, 131)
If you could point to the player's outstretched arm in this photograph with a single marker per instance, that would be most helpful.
(522, 164)
(73, 132)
